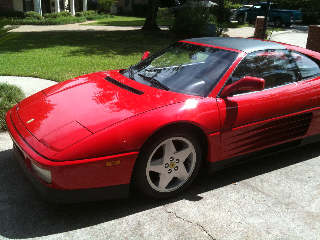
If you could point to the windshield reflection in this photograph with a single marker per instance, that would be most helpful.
(183, 68)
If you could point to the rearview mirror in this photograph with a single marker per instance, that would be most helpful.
(145, 55)
(247, 83)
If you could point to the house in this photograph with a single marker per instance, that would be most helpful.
(126, 5)
(48, 6)
(43, 6)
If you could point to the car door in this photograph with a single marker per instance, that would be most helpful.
(255, 120)
(309, 70)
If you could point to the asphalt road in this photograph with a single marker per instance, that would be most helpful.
(275, 197)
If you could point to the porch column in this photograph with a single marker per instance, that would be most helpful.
(71, 6)
(85, 5)
(37, 6)
(57, 6)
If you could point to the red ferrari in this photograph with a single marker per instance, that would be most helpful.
(200, 102)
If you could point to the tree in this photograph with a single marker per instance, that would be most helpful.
(151, 20)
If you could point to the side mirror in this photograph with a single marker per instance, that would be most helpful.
(247, 83)
(145, 55)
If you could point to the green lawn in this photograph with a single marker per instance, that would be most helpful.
(9, 96)
(63, 55)
(129, 21)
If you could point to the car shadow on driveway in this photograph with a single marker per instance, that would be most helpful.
(25, 215)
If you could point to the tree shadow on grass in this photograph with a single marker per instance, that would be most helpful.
(25, 215)
(91, 42)
(138, 23)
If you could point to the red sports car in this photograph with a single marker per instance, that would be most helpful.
(205, 101)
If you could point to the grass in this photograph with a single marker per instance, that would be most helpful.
(63, 55)
(9, 96)
(129, 21)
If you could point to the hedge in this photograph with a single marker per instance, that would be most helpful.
(50, 21)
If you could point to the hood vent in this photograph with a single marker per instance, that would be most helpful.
(124, 86)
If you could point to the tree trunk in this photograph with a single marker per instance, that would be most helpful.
(221, 11)
(151, 20)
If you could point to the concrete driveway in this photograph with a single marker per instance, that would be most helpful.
(275, 197)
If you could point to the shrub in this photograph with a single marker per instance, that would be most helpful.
(92, 15)
(192, 22)
(105, 5)
(222, 15)
(57, 14)
(230, 5)
(310, 17)
(11, 14)
(9, 96)
(33, 15)
(165, 13)
(50, 21)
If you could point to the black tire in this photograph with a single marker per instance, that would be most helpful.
(278, 22)
(240, 19)
(167, 164)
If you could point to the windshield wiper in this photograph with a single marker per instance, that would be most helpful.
(130, 72)
(154, 82)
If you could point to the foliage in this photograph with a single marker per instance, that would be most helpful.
(50, 21)
(304, 5)
(192, 21)
(56, 15)
(310, 17)
(165, 13)
(33, 15)
(93, 15)
(140, 10)
(221, 14)
(9, 96)
(229, 5)
(11, 14)
(105, 5)
(128, 21)
(4, 29)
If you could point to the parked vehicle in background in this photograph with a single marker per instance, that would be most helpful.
(191, 4)
(277, 16)
(234, 12)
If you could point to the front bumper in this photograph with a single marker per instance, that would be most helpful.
(79, 180)
(295, 21)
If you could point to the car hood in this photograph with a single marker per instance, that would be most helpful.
(65, 113)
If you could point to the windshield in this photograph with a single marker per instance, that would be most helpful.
(183, 68)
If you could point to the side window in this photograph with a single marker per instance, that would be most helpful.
(307, 67)
(256, 7)
(271, 65)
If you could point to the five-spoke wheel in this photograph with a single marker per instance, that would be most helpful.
(168, 165)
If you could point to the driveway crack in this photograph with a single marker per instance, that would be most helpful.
(188, 221)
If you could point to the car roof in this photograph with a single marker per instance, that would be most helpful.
(242, 44)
